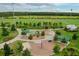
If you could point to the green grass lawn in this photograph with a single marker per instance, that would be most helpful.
(73, 43)
(64, 21)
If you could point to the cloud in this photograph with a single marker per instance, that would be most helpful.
(38, 6)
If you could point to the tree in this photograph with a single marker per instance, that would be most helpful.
(46, 27)
(4, 32)
(7, 50)
(23, 32)
(26, 53)
(74, 36)
(30, 24)
(60, 25)
(37, 33)
(30, 37)
(56, 49)
(16, 23)
(55, 25)
(13, 28)
(2, 24)
(38, 24)
(19, 46)
(34, 24)
(56, 37)
(70, 52)
(42, 33)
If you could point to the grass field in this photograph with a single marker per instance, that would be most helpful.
(73, 43)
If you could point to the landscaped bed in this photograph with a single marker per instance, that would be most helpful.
(11, 35)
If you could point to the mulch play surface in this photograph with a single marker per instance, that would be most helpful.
(45, 49)
(42, 50)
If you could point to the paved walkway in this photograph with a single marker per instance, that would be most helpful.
(27, 43)
(33, 44)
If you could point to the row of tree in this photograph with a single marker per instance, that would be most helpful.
(40, 25)
(33, 25)
(7, 14)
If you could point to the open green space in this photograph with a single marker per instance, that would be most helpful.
(73, 43)
(31, 23)
(34, 22)
(64, 21)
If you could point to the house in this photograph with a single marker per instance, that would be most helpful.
(71, 27)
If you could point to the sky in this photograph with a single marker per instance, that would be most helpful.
(39, 7)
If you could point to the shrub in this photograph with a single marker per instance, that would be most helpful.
(30, 37)
(7, 50)
(56, 49)
(56, 37)
(74, 36)
(5, 32)
(42, 33)
(13, 28)
(26, 53)
(19, 46)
